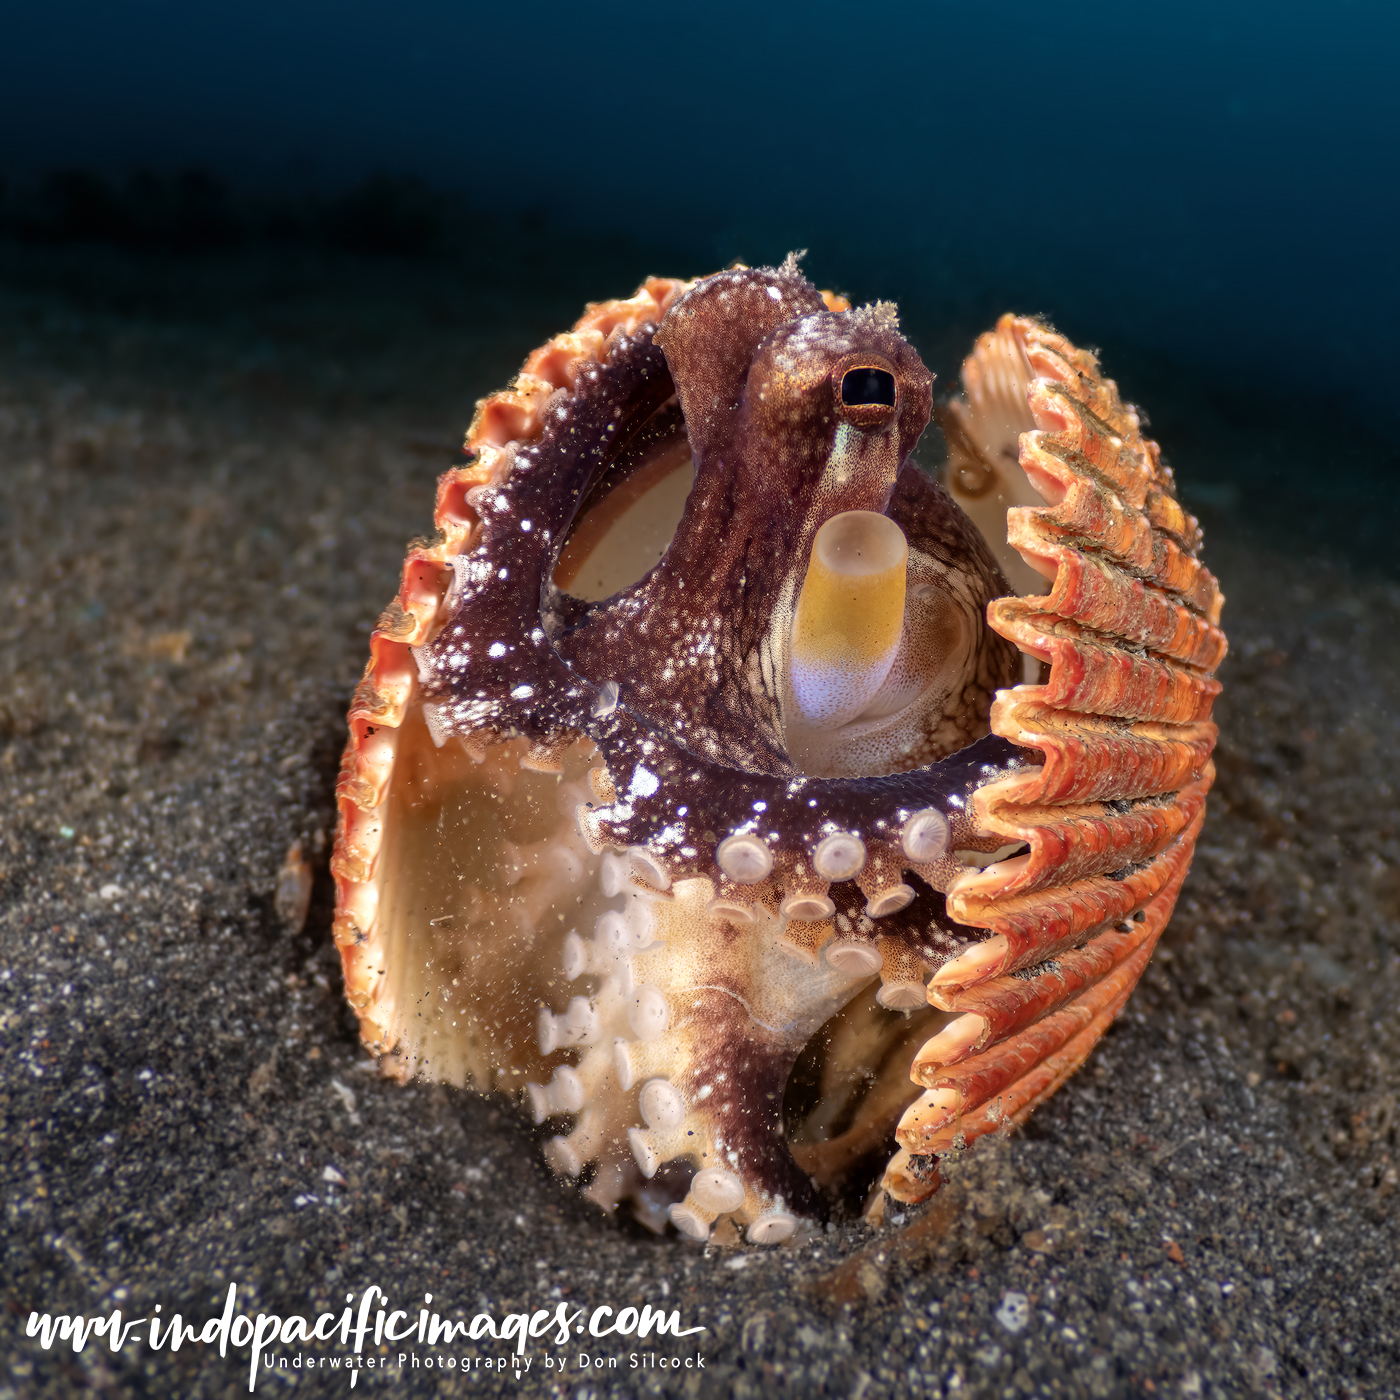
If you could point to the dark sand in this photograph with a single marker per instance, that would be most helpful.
(207, 476)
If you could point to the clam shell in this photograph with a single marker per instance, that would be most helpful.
(1098, 818)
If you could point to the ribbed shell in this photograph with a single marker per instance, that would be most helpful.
(1130, 629)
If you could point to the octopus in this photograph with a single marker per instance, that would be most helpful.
(768, 818)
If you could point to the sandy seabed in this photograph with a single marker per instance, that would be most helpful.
(203, 504)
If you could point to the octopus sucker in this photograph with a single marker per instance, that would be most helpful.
(762, 813)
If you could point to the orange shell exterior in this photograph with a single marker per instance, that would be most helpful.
(1130, 629)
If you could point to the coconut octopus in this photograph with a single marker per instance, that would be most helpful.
(744, 800)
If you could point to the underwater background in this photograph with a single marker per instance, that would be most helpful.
(1207, 192)
(258, 262)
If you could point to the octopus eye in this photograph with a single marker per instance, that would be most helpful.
(871, 386)
(869, 396)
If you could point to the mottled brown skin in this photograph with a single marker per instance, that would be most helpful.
(517, 656)
(758, 364)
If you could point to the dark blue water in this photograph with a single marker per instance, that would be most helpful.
(1207, 191)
